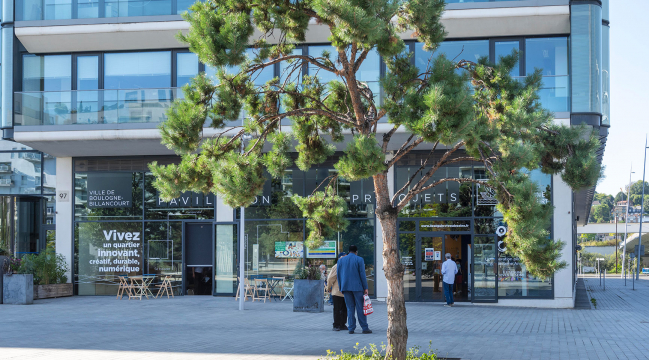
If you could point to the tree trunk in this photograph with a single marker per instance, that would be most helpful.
(393, 269)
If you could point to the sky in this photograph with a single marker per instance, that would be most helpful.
(629, 94)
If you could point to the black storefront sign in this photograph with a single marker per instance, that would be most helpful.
(110, 190)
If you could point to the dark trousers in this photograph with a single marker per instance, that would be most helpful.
(354, 301)
(340, 311)
(448, 293)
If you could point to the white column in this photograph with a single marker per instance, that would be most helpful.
(224, 213)
(563, 216)
(64, 211)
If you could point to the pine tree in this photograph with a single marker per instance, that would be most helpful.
(471, 108)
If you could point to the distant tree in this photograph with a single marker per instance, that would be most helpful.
(620, 196)
(636, 194)
(601, 213)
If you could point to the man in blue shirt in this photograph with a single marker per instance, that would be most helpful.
(449, 269)
(353, 284)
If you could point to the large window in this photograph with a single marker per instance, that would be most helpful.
(550, 55)
(47, 73)
(186, 69)
(140, 70)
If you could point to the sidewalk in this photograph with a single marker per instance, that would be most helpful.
(212, 328)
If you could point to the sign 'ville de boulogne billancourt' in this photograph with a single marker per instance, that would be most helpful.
(110, 190)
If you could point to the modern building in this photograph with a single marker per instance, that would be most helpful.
(88, 82)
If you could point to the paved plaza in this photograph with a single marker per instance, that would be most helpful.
(212, 328)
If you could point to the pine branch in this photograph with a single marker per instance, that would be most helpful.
(404, 150)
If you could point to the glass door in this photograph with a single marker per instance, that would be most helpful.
(430, 268)
(485, 265)
(408, 258)
(421, 258)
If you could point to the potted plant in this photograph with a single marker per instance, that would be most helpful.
(17, 287)
(308, 289)
(48, 270)
(4, 256)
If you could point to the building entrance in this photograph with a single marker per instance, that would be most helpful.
(198, 259)
(423, 254)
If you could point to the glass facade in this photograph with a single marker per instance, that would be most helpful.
(34, 10)
(461, 220)
(586, 59)
(139, 87)
(27, 204)
(117, 197)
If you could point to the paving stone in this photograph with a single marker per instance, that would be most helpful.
(212, 328)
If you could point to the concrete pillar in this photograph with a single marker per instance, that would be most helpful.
(65, 211)
(563, 216)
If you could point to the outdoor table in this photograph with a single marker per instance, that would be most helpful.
(141, 288)
(273, 283)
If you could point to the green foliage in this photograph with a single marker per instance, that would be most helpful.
(310, 272)
(376, 353)
(4, 251)
(599, 243)
(325, 213)
(48, 267)
(587, 238)
(589, 259)
(601, 213)
(363, 159)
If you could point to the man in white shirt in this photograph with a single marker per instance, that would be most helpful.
(449, 269)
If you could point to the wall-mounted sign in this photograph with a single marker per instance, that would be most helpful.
(187, 200)
(444, 225)
(435, 198)
(429, 254)
(326, 251)
(110, 190)
(255, 257)
(63, 196)
(438, 255)
(289, 249)
(486, 196)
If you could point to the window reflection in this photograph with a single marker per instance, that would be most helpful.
(186, 68)
(505, 48)
(471, 50)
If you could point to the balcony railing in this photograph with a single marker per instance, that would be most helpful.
(93, 106)
(150, 105)
(34, 10)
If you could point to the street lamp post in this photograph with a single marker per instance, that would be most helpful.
(641, 211)
(617, 241)
(626, 223)
(242, 243)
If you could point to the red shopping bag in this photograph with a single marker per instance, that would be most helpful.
(367, 305)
